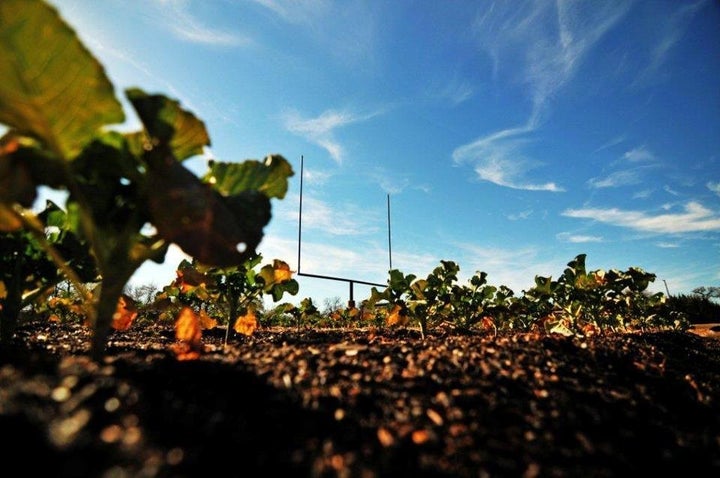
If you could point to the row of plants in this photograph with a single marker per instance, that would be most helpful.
(578, 302)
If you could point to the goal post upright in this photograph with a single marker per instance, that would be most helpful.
(351, 282)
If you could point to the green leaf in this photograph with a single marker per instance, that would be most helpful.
(270, 177)
(167, 122)
(51, 87)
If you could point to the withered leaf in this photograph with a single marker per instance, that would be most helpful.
(125, 313)
(209, 227)
(189, 335)
(396, 316)
(246, 324)
(207, 322)
(282, 271)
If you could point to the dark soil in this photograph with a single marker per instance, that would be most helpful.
(362, 403)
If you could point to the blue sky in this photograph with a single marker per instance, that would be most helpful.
(510, 136)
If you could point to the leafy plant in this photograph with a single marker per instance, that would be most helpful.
(304, 313)
(59, 106)
(582, 301)
(233, 293)
(28, 274)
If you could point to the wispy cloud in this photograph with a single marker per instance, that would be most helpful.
(641, 157)
(391, 183)
(714, 187)
(520, 215)
(297, 11)
(321, 129)
(185, 26)
(613, 142)
(577, 238)
(670, 190)
(643, 194)
(616, 179)
(671, 29)
(667, 245)
(638, 154)
(694, 218)
(316, 176)
(337, 219)
(455, 91)
(547, 41)
(498, 158)
(347, 29)
(543, 43)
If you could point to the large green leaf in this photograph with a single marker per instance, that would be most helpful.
(51, 87)
(270, 177)
(166, 121)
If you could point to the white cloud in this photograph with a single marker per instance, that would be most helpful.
(316, 176)
(640, 153)
(185, 26)
(320, 130)
(627, 177)
(578, 238)
(694, 218)
(336, 219)
(667, 245)
(644, 194)
(671, 191)
(616, 179)
(498, 158)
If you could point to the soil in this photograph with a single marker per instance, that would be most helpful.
(360, 402)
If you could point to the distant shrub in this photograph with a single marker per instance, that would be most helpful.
(698, 309)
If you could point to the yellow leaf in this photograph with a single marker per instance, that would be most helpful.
(207, 322)
(246, 324)
(125, 313)
(189, 334)
(187, 326)
(396, 316)
(3, 290)
(282, 271)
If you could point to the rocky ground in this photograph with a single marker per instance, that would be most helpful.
(360, 403)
